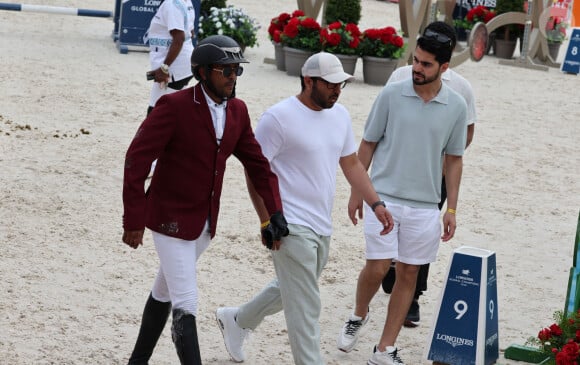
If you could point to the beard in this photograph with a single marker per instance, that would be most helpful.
(223, 93)
(322, 101)
(421, 79)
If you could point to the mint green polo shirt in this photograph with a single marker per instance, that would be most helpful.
(413, 137)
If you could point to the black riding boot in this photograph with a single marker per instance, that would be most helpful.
(154, 318)
(184, 334)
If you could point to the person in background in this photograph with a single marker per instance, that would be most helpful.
(413, 127)
(305, 138)
(170, 37)
(192, 132)
(463, 87)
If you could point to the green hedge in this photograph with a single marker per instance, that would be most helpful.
(348, 11)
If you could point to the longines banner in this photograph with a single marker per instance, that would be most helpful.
(135, 16)
(466, 324)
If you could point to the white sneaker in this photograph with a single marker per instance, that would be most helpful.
(233, 334)
(389, 357)
(348, 336)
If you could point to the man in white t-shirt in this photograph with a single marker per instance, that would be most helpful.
(463, 87)
(305, 138)
(170, 46)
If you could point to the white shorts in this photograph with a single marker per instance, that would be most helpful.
(414, 239)
(157, 92)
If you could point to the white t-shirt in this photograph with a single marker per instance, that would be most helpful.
(304, 147)
(452, 79)
(172, 14)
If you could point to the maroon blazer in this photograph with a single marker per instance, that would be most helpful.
(187, 183)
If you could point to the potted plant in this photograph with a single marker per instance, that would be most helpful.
(275, 30)
(380, 48)
(342, 39)
(301, 39)
(475, 15)
(507, 35)
(560, 341)
(555, 34)
(232, 22)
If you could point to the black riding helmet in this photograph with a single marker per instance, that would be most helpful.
(216, 50)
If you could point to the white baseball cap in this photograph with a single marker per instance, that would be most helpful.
(326, 66)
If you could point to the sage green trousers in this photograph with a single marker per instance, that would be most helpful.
(298, 264)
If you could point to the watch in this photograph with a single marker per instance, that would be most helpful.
(165, 68)
(376, 204)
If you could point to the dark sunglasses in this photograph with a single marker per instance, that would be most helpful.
(442, 39)
(228, 70)
(331, 85)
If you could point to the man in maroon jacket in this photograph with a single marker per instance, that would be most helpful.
(191, 133)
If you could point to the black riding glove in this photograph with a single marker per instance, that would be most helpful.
(275, 230)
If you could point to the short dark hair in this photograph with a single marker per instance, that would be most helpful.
(439, 39)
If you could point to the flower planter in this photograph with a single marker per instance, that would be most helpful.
(376, 70)
(554, 49)
(294, 59)
(348, 62)
(504, 49)
(279, 56)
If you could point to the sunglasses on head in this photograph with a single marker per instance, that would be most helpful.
(442, 39)
(227, 71)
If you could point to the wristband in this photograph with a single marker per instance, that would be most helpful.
(265, 224)
(376, 204)
(165, 68)
(452, 211)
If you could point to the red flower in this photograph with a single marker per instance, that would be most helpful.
(556, 330)
(284, 17)
(544, 334)
(278, 24)
(398, 41)
(291, 29)
(479, 13)
(340, 38)
(276, 36)
(560, 341)
(310, 23)
(301, 32)
(354, 43)
(488, 16)
(382, 42)
(568, 355)
(556, 29)
(297, 13)
(353, 30)
(331, 39)
(334, 26)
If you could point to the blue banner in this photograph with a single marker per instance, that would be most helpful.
(571, 62)
(134, 21)
(455, 335)
(491, 320)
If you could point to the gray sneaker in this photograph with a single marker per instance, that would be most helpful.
(348, 336)
(389, 357)
(233, 334)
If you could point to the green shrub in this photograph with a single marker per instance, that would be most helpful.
(206, 5)
(512, 31)
(346, 11)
